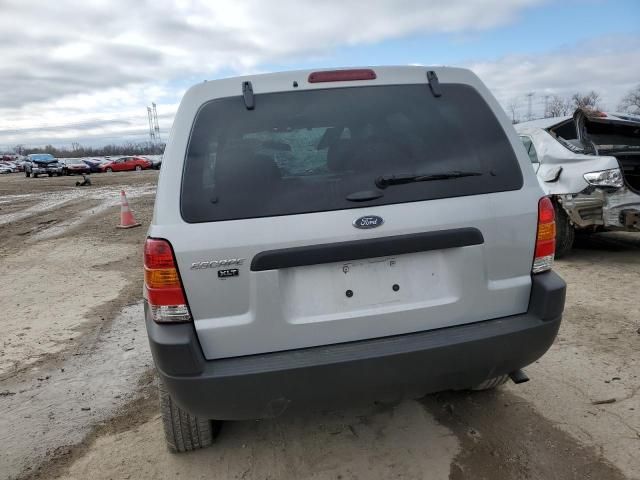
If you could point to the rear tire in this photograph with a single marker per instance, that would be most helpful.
(109, 170)
(27, 174)
(491, 383)
(50, 174)
(565, 233)
(183, 431)
(138, 168)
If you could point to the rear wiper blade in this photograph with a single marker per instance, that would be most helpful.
(384, 181)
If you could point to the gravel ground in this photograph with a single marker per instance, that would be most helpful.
(77, 397)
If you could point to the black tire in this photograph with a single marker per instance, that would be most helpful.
(565, 233)
(138, 168)
(183, 431)
(58, 174)
(109, 170)
(50, 174)
(27, 174)
(491, 383)
(35, 175)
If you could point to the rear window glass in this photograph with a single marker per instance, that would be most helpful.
(306, 151)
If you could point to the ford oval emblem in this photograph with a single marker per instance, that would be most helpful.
(370, 221)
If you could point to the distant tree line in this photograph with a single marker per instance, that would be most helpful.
(77, 150)
(559, 106)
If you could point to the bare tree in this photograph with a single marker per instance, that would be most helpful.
(557, 106)
(513, 109)
(586, 100)
(631, 101)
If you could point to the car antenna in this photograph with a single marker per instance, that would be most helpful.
(434, 84)
(247, 93)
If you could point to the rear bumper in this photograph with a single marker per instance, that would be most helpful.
(262, 386)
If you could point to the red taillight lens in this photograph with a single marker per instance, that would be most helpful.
(342, 75)
(545, 237)
(162, 285)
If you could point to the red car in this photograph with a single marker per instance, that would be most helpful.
(126, 163)
(74, 165)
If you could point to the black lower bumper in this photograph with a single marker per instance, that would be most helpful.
(262, 386)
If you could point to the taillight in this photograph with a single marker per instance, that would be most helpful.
(342, 75)
(162, 285)
(546, 237)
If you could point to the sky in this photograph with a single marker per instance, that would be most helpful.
(86, 71)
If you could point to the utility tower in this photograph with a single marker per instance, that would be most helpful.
(529, 98)
(156, 127)
(152, 134)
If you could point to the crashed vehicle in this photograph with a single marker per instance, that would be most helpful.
(589, 164)
(42, 163)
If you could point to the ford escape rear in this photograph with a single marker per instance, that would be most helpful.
(323, 235)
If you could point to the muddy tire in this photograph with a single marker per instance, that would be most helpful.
(491, 383)
(565, 233)
(183, 431)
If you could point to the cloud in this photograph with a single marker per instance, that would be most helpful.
(602, 64)
(76, 71)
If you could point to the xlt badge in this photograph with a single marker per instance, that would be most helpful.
(228, 272)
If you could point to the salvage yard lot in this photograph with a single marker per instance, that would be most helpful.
(77, 398)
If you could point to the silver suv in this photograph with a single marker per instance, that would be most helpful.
(325, 235)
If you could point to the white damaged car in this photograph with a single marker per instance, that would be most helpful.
(589, 164)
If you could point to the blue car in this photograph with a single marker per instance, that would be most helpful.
(94, 164)
(42, 163)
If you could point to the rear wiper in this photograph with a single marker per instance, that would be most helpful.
(385, 180)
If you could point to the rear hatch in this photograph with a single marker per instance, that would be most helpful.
(343, 213)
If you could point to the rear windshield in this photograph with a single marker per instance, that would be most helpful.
(307, 151)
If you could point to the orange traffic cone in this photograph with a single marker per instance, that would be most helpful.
(126, 216)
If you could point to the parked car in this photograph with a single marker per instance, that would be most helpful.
(95, 164)
(42, 163)
(589, 165)
(126, 163)
(9, 164)
(156, 162)
(5, 168)
(21, 163)
(349, 233)
(75, 166)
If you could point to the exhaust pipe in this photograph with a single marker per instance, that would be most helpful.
(519, 376)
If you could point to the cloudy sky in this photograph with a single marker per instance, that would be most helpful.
(85, 71)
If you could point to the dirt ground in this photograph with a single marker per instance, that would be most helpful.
(77, 397)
